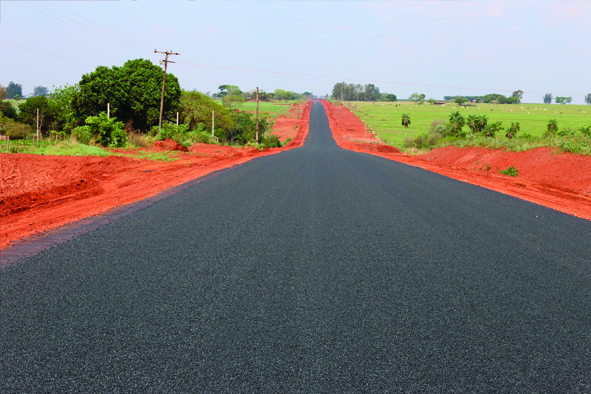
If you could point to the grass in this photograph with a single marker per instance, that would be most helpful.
(68, 148)
(385, 118)
(274, 109)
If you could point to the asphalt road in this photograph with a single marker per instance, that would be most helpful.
(316, 270)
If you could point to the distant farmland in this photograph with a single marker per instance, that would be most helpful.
(385, 118)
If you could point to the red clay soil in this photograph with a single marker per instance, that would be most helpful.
(561, 181)
(39, 193)
(287, 126)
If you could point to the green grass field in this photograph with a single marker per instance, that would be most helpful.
(385, 118)
(274, 109)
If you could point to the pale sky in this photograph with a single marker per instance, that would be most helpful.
(438, 48)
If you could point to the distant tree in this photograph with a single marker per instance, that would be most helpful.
(518, 94)
(228, 90)
(40, 91)
(28, 113)
(513, 130)
(457, 121)
(431, 100)
(232, 100)
(552, 127)
(371, 92)
(548, 98)
(563, 100)
(406, 120)
(281, 94)
(389, 97)
(460, 100)
(14, 89)
(3, 94)
(133, 92)
(417, 98)
(195, 108)
(489, 98)
(513, 100)
(588, 98)
(568, 100)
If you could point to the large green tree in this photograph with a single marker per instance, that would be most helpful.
(195, 107)
(133, 92)
(28, 113)
(14, 89)
(588, 98)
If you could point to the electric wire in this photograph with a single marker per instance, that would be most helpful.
(98, 24)
(97, 32)
(45, 53)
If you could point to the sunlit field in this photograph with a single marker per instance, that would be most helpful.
(385, 118)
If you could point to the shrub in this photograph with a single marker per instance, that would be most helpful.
(14, 129)
(108, 132)
(138, 140)
(175, 132)
(511, 171)
(272, 141)
(82, 134)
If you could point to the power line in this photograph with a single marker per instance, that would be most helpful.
(97, 32)
(98, 24)
(361, 79)
(48, 54)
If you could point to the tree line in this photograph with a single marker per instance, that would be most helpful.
(357, 92)
(133, 93)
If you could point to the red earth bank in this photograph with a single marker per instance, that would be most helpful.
(39, 193)
(561, 181)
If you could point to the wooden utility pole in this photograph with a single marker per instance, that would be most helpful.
(257, 133)
(165, 61)
(108, 110)
(38, 143)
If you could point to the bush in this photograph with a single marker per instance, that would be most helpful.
(108, 132)
(14, 129)
(175, 132)
(511, 171)
(82, 134)
(272, 141)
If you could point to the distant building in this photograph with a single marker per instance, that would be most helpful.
(440, 103)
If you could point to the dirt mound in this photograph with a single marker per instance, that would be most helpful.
(39, 193)
(169, 145)
(561, 181)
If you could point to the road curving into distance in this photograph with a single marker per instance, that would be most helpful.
(315, 270)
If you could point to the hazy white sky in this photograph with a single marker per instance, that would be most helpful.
(439, 48)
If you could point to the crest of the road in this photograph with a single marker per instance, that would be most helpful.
(314, 270)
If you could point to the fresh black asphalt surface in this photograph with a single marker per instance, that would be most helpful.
(317, 270)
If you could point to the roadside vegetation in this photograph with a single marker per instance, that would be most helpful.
(119, 107)
(514, 127)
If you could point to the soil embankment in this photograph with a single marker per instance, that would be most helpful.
(40, 193)
(561, 181)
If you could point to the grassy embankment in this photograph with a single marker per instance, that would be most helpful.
(385, 120)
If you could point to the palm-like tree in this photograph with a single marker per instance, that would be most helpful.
(482, 122)
(472, 121)
(457, 121)
(585, 130)
(406, 120)
(552, 127)
(513, 130)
